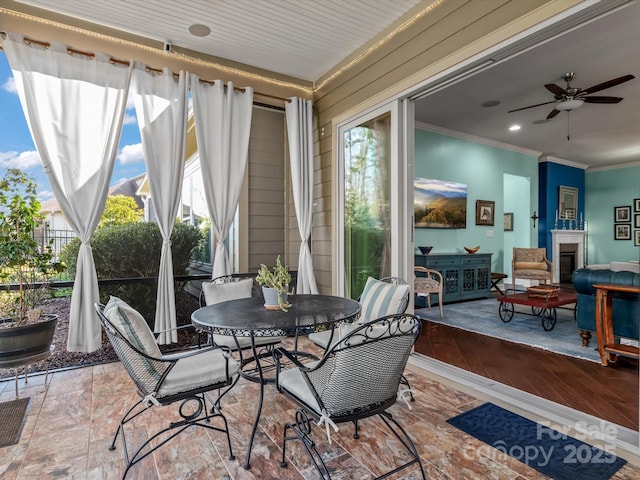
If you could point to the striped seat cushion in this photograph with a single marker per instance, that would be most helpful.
(379, 299)
(132, 326)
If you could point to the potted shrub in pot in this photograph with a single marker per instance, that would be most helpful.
(26, 332)
(275, 285)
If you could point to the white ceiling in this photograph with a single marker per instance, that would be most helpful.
(601, 134)
(306, 38)
(301, 38)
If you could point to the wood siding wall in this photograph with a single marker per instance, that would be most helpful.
(267, 212)
(447, 29)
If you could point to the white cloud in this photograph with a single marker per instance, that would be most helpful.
(10, 85)
(131, 154)
(130, 119)
(44, 195)
(22, 160)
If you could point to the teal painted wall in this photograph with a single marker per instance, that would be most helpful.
(482, 168)
(606, 189)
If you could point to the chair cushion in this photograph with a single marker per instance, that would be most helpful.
(379, 299)
(196, 370)
(222, 292)
(322, 338)
(132, 326)
(293, 381)
(530, 265)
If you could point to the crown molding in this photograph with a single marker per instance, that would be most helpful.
(472, 138)
(562, 161)
(614, 167)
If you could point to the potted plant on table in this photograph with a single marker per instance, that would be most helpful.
(26, 333)
(275, 285)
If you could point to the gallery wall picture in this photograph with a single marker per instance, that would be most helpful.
(636, 223)
(636, 238)
(622, 214)
(636, 205)
(622, 231)
(485, 212)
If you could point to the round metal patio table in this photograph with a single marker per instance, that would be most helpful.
(247, 317)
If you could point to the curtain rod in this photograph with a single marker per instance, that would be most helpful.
(126, 63)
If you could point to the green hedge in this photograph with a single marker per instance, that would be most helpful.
(133, 250)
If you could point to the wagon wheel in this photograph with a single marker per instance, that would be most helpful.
(548, 319)
(505, 310)
(537, 311)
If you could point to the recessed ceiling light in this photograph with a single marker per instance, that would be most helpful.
(490, 103)
(514, 128)
(199, 30)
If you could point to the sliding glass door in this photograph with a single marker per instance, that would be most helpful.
(370, 200)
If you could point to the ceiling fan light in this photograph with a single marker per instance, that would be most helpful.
(568, 105)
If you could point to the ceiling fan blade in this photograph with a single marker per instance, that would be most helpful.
(552, 114)
(555, 89)
(531, 106)
(608, 84)
(598, 99)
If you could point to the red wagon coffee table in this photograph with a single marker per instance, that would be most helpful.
(542, 305)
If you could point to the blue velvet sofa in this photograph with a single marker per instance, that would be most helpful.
(626, 306)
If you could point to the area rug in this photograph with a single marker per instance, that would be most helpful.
(481, 316)
(547, 450)
(12, 417)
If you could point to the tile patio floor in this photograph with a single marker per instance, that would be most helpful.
(71, 421)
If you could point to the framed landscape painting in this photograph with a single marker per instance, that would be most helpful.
(439, 204)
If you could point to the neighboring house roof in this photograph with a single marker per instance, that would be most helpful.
(128, 188)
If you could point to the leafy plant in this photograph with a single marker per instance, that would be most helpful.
(132, 250)
(22, 259)
(279, 279)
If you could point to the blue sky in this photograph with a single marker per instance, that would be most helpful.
(18, 151)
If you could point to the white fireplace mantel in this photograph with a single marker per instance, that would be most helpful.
(559, 237)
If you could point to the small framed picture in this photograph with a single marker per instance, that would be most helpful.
(636, 222)
(622, 214)
(622, 231)
(508, 222)
(484, 212)
(636, 238)
(636, 205)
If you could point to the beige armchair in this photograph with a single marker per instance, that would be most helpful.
(431, 282)
(531, 264)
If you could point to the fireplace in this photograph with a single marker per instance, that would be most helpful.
(567, 253)
(568, 261)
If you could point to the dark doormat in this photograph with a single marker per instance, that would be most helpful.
(12, 417)
(549, 451)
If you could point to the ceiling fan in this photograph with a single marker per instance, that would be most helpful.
(570, 98)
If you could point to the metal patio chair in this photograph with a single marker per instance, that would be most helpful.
(357, 377)
(161, 380)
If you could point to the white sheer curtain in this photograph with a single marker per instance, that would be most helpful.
(74, 106)
(298, 112)
(161, 107)
(223, 122)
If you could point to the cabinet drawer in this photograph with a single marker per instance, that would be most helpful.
(475, 261)
(442, 262)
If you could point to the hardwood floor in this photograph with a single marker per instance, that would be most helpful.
(610, 393)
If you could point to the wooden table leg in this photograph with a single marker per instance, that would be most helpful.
(600, 307)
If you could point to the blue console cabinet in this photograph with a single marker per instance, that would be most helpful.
(465, 276)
